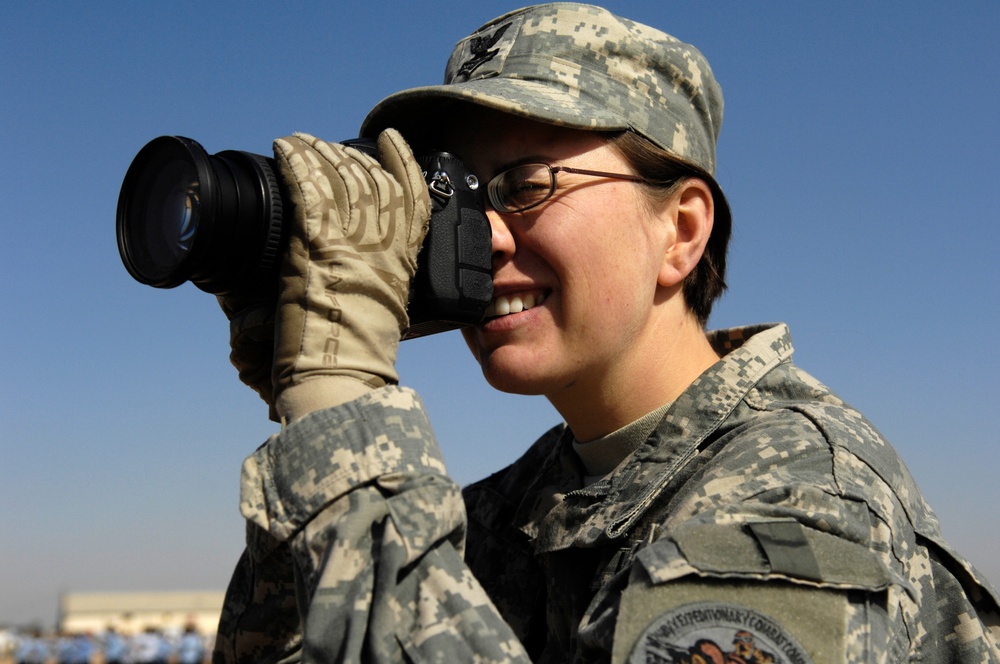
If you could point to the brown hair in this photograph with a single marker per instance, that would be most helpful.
(664, 173)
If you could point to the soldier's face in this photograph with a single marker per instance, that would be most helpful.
(577, 274)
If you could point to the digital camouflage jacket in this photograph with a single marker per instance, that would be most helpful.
(762, 521)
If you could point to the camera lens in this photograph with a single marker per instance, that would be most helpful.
(185, 215)
(159, 211)
(172, 217)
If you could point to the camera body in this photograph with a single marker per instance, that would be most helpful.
(218, 222)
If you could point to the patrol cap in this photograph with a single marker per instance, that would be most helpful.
(577, 66)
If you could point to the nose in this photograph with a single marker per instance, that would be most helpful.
(503, 238)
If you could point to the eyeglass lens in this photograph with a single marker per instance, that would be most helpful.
(521, 187)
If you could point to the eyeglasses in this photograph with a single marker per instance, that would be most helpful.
(528, 185)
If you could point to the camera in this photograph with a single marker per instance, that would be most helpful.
(218, 222)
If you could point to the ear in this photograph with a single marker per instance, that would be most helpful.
(691, 214)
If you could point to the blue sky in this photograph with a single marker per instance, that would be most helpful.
(859, 153)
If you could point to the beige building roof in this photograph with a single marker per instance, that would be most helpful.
(133, 612)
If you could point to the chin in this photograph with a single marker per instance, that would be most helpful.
(516, 378)
(514, 386)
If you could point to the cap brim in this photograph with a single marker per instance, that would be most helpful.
(422, 114)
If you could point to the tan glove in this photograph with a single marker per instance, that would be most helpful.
(251, 340)
(358, 225)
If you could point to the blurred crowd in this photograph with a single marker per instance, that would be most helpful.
(151, 646)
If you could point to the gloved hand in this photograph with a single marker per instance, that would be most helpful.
(357, 226)
(251, 340)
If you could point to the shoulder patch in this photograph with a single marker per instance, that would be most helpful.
(713, 633)
(729, 621)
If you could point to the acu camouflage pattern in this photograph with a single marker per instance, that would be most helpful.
(578, 66)
(351, 514)
(752, 448)
(354, 547)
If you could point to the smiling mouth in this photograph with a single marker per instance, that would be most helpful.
(504, 305)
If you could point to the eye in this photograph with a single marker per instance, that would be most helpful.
(526, 187)
(521, 187)
(526, 184)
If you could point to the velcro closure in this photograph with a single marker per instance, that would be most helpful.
(779, 548)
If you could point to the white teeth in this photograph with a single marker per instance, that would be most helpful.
(514, 304)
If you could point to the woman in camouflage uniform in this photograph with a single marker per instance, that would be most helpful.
(705, 499)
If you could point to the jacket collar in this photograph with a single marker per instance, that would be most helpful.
(557, 514)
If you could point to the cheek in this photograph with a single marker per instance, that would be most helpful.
(617, 265)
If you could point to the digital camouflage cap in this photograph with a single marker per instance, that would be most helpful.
(577, 66)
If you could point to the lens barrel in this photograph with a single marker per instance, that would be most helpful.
(185, 215)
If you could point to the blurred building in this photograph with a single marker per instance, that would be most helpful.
(133, 612)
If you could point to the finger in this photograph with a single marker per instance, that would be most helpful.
(397, 158)
(319, 186)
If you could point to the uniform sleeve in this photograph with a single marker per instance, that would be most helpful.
(354, 549)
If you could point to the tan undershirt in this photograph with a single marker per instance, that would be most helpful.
(602, 455)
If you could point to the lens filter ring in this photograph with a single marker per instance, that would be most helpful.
(161, 208)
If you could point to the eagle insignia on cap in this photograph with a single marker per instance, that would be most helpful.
(480, 49)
